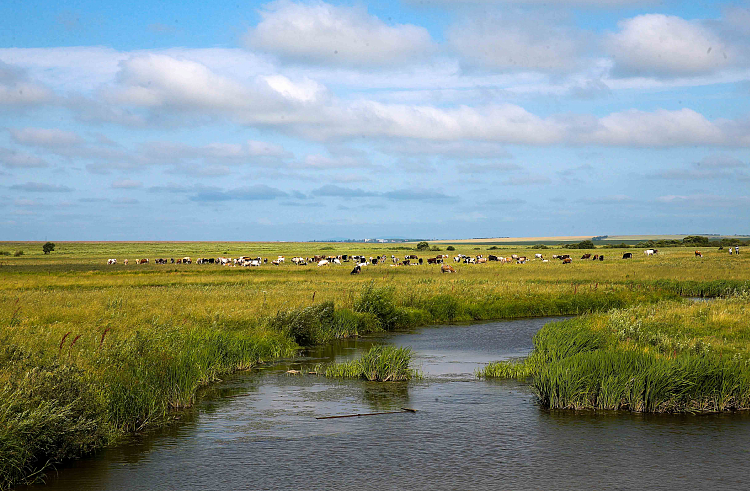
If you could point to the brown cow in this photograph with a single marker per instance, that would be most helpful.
(698, 254)
(586, 256)
(447, 268)
(567, 260)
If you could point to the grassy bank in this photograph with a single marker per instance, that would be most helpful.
(667, 357)
(90, 353)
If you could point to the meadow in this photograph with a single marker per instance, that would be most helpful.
(91, 353)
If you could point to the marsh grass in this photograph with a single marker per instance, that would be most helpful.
(379, 364)
(667, 357)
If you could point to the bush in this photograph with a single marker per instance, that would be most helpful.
(18, 254)
(4, 253)
(423, 246)
(450, 248)
(48, 247)
(493, 248)
(435, 248)
(380, 303)
(539, 246)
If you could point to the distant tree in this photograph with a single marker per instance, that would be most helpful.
(435, 248)
(423, 246)
(697, 240)
(48, 247)
(493, 248)
(18, 254)
(585, 244)
(539, 246)
(450, 248)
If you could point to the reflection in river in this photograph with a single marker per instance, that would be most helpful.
(257, 430)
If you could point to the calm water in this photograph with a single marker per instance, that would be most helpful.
(258, 431)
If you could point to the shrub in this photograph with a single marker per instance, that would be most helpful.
(435, 248)
(423, 246)
(380, 364)
(48, 247)
(450, 248)
(18, 254)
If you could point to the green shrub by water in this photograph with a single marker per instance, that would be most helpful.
(379, 364)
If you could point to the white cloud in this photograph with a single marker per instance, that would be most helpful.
(339, 35)
(43, 137)
(13, 159)
(512, 42)
(665, 45)
(17, 90)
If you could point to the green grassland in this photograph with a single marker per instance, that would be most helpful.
(90, 353)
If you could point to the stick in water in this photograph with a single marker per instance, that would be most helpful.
(403, 410)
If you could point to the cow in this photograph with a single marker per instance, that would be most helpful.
(224, 261)
(567, 260)
(323, 262)
(586, 256)
(357, 269)
(142, 261)
(601, 257)
(186, 260)
(698, 254)
(172, 260)
(410, 256)
(596, 256)
(481, 260)
(521, 260)
(447, 268)
(111, 261)
(650, 252)
(493, 258)
(538, 256)
(627, 255)
(125, 262)
(432, 260)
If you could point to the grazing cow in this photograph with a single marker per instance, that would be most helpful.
(481, 260)
(410, 256)
(567, 260)
(431, 260)
(493, 258)
(125, 262)
(596, 256)
(514, 256)
(186, 260)
(111, 261)
(322, 262)
(698, 254)
(224, 260)
(538, 256)
(141, 261)
(172, 260)
(586, 256)
(447, 268)
(650, 252)
(357, 269)
(627, 255)
(601, 258)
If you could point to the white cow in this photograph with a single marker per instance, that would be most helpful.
(323, 262)
(111, 261)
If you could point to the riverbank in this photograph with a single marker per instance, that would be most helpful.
(665, 358)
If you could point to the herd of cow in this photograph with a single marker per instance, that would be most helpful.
(361, 261)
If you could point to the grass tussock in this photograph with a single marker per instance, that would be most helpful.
(379, 364)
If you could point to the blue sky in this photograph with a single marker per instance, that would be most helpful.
(299, 120)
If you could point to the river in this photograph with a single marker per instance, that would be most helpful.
(257, 430)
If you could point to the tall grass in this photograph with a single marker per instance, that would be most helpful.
(379, 364)
(669, 357)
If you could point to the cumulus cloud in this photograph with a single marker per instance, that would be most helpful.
(516, 42)
(13, 159)
(340, 35)
(43, 137)
(16, 89)
(666, 45)
(41, 187)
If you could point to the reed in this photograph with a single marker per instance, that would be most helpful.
(379, 364)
